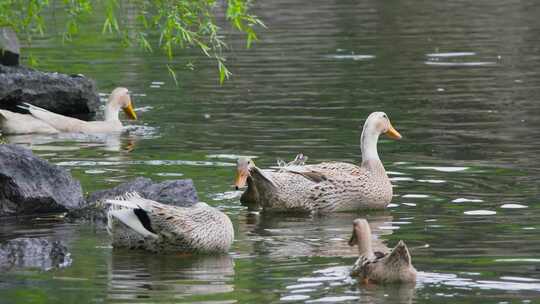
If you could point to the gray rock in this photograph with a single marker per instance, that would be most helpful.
(73, 95)
(179, 192)
(30, 185)
(33, 253)
(9, 47)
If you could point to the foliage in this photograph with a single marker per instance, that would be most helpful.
(180, 23)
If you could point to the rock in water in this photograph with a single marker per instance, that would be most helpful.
(67, 95)
(9, 47)
(30, 185)
(33, 253)
(180, 192)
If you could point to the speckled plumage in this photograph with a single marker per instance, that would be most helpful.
(394, 267)
(380, 267)
(200, 228)
(325, 187)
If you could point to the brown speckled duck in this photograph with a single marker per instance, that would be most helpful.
(379, 267)
(138, 223)
(325, 187)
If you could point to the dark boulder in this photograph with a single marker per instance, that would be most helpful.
(179, 192)
(33, 253)
(9, 47)
(30, 185)
(73, 95)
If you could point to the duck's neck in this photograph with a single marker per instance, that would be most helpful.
(250, 198)
(364, 244)
(112, 110)
(370, 156)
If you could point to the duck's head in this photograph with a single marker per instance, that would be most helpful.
(243, 165)
(361, 232)
(378, 123)
(121, 99)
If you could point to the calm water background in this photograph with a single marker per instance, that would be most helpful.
(459, 79)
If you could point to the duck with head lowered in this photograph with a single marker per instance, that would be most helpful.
(378, 267)
(46, 122)
(326, 187)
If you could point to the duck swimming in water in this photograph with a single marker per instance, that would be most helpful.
(326, 187)
(46, 122)
(138, 223)
(378, 267)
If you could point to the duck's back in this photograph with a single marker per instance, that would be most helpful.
(348, 187)
(199, 228)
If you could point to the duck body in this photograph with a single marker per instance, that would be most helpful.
(15, 123)
(321, 188)
(138, 223)
(393, 267)
(46, 122)
(380, 267)
(326, 187)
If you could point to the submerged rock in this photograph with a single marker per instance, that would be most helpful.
(9, 47)
(30, 185)
(60, 93)
(180, 192)
(33, 253)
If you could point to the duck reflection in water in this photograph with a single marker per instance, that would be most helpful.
(113, 142)
(134, 275)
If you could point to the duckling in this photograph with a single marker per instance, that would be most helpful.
(378, 267)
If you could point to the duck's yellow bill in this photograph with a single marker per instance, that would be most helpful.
(130, 112)
(241, 179)
(393, 133)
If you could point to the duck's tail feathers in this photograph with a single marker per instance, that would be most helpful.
(24, 107)
(130, 209)
(131, 200)
(314, 176)
(28, 106)
(400, 254)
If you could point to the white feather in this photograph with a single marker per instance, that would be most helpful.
(128, 217)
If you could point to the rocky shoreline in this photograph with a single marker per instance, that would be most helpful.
(30, 186)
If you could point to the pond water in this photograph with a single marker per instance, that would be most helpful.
(460, 81)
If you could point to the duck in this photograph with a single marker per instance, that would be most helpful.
(46, 122)
(379, 267)
(137, 223)
(325, 187)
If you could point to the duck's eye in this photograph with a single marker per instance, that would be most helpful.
(384, 116)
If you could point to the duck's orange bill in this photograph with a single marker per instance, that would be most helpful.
(130, 112)
(393, 133)
(241, 178)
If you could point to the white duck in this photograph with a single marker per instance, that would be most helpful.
(378, 267)
(43, 121)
